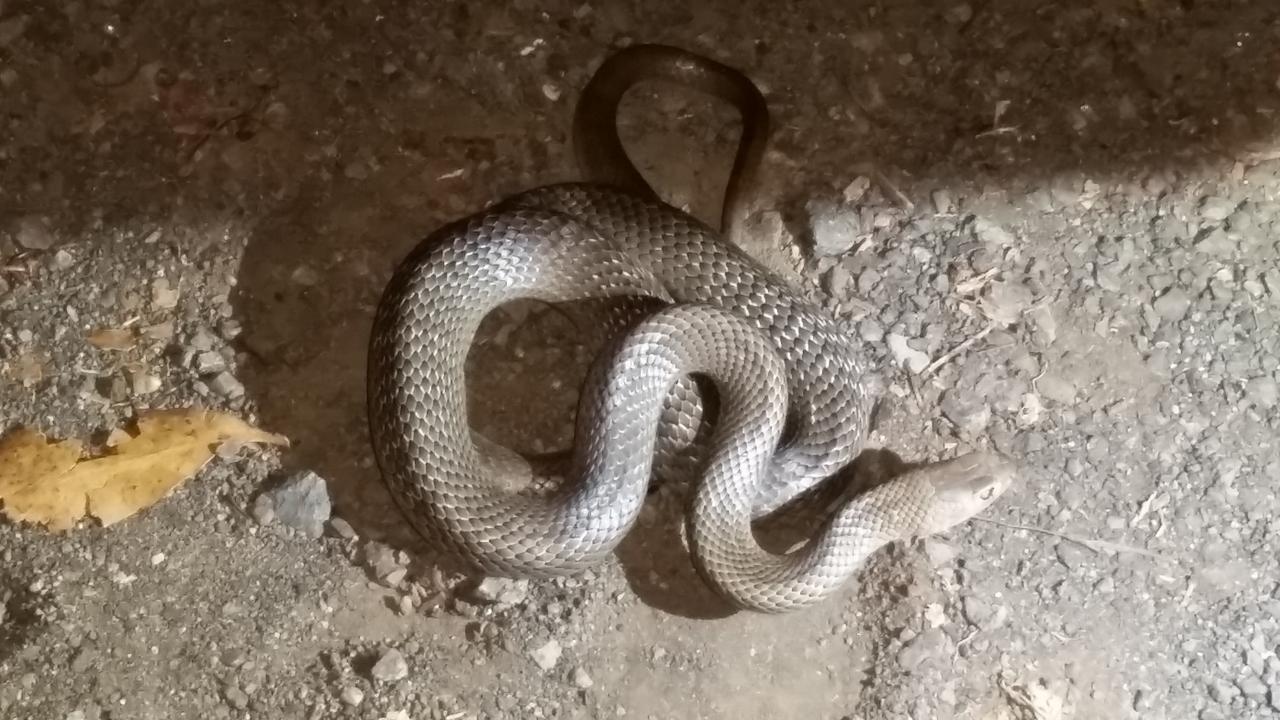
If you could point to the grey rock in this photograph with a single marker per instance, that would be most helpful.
(264, 509)
(942, 202)
(870, 330)
(982, 614)
(1142, 699)
(766, 233)
(1216, 209)
(867, 281)
(1262, 392)
(1273, 696)
(992, 234)
(33, 233)
(834, 229)
(1252, 687)
(933, 643)
(84, 660)
(1073, 495)
(351, 695)
(1044, 325)
(226, 385)
(582, 679)
(969, 414)
(302, 503)
(939, 553)
(341, 528)
(500, 591)
(208, 363)
(1071, 554)
(837, 281)
(1271, 279)
(236, 697)
(202, 340)
(1222, 692)
(856, 189)
(1057, 388)
(1216, 242)
(381, 561)
(905, 355)
(547, 655)
(1173, 304)
(389, 668)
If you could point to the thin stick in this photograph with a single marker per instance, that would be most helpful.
(951, 354)
(1099, 546)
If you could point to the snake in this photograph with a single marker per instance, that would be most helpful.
(716, 367)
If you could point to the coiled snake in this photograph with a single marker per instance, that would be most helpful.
(792, 409)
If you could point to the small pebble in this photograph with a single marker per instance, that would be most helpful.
(833, 229)
(302, 503)
(992, 234)
(1216, 209)
(352, 695)
(870, 330)
(546, 656)
(32, 233)
(582, 679)
(928, 644)
(942, 202)
(264, 509)
(906, 356)
(1252, 687)
(500, 591)
(1172, 305)
(1070, 554)
(939, 553)
(391, 667)
(209, 363)
(342, 528)
(226, 385)
(143, 383)
(1262, 392)
(236, 697)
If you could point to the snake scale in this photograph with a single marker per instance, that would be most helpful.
(790, 405)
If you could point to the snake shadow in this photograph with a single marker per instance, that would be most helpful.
(655, 556)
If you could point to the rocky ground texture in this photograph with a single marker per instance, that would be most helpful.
(1053, 225)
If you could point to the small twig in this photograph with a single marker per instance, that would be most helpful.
(1002, 130)
(1102, 547)
(951, 354)
(898, 196)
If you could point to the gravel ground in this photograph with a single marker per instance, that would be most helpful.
(1052, 223)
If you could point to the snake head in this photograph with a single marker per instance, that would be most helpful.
(963, 487)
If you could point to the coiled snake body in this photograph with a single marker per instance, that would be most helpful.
(777, 363)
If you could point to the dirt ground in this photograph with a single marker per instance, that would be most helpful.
(1055, 234)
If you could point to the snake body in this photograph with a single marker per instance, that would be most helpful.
(792, 410)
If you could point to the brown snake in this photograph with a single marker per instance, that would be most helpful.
(792, 408)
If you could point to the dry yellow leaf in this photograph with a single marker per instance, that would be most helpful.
(112, 339)
(49, 484)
